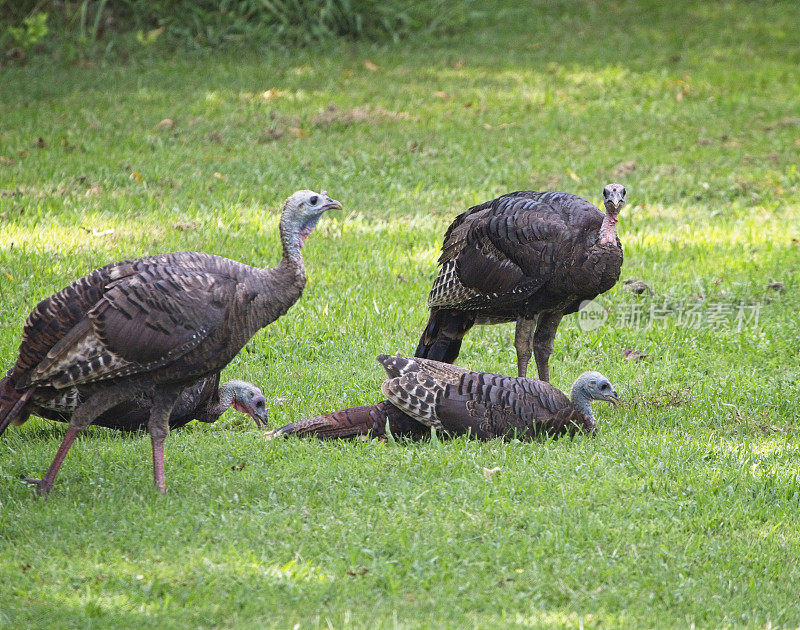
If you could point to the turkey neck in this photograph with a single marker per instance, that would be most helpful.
(292, 241)
(215, 410)
(608, 230)
(582, 403)
(289, 277)
(269, 293)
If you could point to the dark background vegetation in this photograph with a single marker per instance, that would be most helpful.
(116, 26)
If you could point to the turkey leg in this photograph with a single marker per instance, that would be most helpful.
(543, 342)
(158, 426)
(44, 484)
(84, 416)
(523, 342)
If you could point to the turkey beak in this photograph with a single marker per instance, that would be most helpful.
(614, 399)
(331, 204)
(614, 202)
(258, 411)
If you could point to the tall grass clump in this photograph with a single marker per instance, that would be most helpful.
(30, 25)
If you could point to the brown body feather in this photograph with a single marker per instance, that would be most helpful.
(175, 318)
(485, 405)
(199, 401)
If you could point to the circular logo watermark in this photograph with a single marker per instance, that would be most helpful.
(591, 315)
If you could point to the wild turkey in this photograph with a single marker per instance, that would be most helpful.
(530, 257)
(146, 329)
(205, 401)
(461, 401)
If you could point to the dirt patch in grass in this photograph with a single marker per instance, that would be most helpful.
(662, 400)
(333, 114)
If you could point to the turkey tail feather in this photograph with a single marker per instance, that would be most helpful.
(441, 340)
(356, 421)
(12, 402)
(337, 424)
(428, 336)
(397, 365)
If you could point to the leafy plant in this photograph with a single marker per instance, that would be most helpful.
(27, 34)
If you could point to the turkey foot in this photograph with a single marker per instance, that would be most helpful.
(45, 484)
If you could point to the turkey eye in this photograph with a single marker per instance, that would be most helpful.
(604, 386)
(314, 200)
(259, 404)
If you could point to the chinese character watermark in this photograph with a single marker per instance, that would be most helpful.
(680, 312)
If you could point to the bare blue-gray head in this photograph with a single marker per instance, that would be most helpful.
(299, 217)
(614, 198)
(245, 397)
(591, 386)
(302, 210)
(595, 386)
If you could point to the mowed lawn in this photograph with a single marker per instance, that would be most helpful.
(684, 510)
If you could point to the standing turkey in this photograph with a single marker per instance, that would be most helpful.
(147, 329)
(205, 401)
(461, 401)
(530, 257)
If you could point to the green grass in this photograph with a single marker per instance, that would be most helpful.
(684, 510)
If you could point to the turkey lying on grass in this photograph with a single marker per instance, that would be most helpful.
(147, 329)
(460, 401)
(205, 401)
(529, 257)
